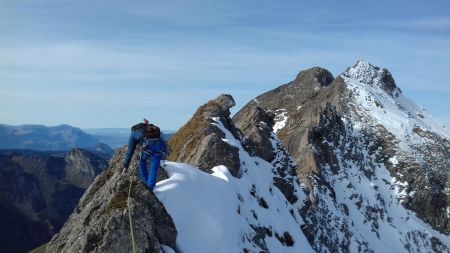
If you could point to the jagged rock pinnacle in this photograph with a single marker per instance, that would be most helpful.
(199, 142)
(369, 74)
(225, 101)
(257, 123)
(315, 75)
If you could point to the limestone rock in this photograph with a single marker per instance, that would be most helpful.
(256, 124)
(100, 221)
(199, 141)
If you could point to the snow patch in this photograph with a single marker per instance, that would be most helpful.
(281, 117)
(167, 249)
(393, 160)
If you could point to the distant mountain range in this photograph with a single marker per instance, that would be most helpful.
(55, 138)
(113, 137)
(65, 137)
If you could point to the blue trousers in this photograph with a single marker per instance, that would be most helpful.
(153, 151)
(135, 138)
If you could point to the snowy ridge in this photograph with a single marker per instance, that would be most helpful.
(220, 213)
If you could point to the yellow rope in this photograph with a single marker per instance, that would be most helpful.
(129, 216)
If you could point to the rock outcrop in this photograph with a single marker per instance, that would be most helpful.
(82, 167)
(256, 124)
(301, 101)
(100, 222)
(199, 142)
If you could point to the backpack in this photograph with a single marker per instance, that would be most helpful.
(152, 132)
(139, 126)
(149, 130)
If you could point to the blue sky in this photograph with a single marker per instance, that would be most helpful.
(111, 63)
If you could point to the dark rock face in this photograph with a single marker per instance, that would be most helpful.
(302, 101)
(256, 125)
(427, 179)
(19, 232)
(82, 167)
(100, 222)
(199, 142)
(39, 187)
(214, 151)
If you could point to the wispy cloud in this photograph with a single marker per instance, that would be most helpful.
(170, 56)
(425, 24)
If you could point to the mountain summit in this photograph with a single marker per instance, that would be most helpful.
(366, 73)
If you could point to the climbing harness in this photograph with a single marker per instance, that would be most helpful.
(148, 152)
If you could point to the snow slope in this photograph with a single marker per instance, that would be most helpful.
(220, 213)
(369, 207)
(359, 200)
(394, 111)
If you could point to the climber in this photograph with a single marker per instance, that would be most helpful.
(153, 147)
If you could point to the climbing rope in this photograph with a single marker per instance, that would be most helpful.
(129, 216)
(129, 212)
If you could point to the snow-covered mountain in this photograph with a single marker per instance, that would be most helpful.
(375, 165)
(321, 164)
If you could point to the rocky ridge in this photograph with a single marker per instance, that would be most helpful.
(100, 222)
(200, 143)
